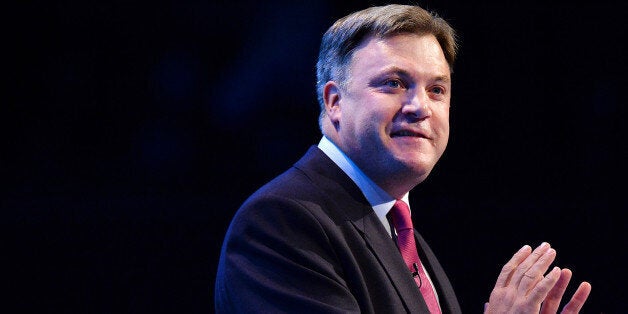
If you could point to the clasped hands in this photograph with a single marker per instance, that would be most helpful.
(524, 287)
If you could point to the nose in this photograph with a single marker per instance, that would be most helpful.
(417, 107)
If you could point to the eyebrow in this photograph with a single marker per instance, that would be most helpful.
(443, 78)
(402, 72)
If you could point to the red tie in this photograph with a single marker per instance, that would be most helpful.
(400, 214)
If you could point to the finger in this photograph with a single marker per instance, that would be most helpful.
(534, 273)
(506, 273)
(529, 261)
(552, 301)
(539, 292)
(578, 299)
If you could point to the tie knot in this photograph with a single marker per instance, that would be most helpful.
(400, 214)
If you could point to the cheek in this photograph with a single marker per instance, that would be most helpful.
(370, 119)
(441, 119)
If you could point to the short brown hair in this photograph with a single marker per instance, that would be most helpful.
(341, 39)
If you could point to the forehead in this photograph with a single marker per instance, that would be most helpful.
(418, 54)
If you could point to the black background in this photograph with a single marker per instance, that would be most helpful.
(132, 131)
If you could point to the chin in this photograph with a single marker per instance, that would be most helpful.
(420, 163)
(417, 171)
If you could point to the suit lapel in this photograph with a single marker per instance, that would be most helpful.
(383, 247)
(446, 295)
(359, 212)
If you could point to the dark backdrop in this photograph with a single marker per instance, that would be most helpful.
(132, 131)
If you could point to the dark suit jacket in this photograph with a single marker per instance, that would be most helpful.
(309, 242)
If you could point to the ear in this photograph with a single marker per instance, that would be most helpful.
(332, 96)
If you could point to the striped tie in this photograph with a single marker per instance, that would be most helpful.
(402, 222)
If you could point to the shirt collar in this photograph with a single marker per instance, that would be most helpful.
(381, 201)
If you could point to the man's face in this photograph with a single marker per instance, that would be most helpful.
(393, 115)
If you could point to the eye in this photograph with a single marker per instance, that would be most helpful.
(437, 90)
(394, 83)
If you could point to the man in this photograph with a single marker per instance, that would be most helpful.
(329, 235)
